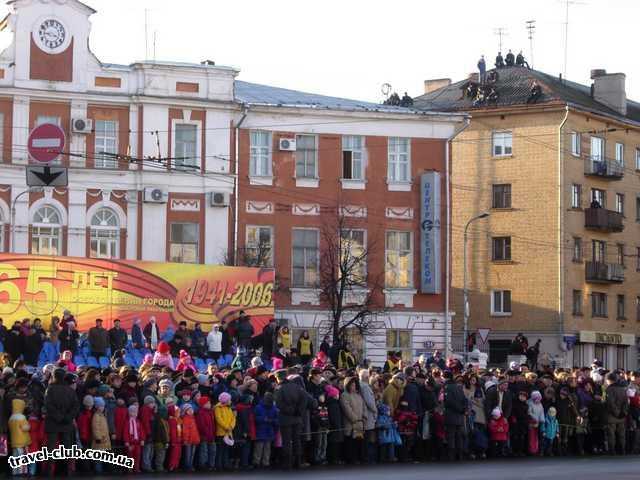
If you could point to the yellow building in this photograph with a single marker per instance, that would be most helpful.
(557, 167)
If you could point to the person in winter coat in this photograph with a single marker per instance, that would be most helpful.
(336, 425)
(284, 338)
(567, 418)
(385, 427)
(305, 347)
(266, 417)
(162, 357)
(551, 432)
(32, 347)
(598, 421)
(537, 420)
(393, 392)
(207, 430)
(83, 423)
(519, 425)
(617, 405)
(475, 396)
(66, 361)
(225, 423)
(36, 432)
(160, 439)
(185, 362)
(133, 436)
(100, 438)
(353, 410)
(151, 334)
(117, 336)
(214, 343)
(69, 337)
(455, 408)
(291, 400)
(245, 431)
(190, 437)
(19, 433)
(407, 422)
(175, 437)
(147, 419)
(498, 433)
(98, 340)
(499, 396)
(370, 415)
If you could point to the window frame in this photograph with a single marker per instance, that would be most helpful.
(599, 299)
(259, 153)
(577, 255)
(306, 152)
(362, 279)
(353, 150)
(396, 158)
(251, 246)
(503, 191)
(602, 153)
(620, 253)
(399, 252)
(502, 312)
(54, 238)
(576, 195)
(182, 243)
(107, 234)
(576, 140)
(305, 283)
(501, 244)
(577, 303)
(621, 307)
(637, 158)
(506, 137)
(620, 197)
(181, 164)
(620, 153)
(637, 308)
(395, 344)
(595, 192)
(105, 161)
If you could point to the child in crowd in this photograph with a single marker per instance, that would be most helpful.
(37, 434)
(551, 432)
(190, 437)
(133, 436)
(225, 424)
(385, 427)
(407, 422)
(19, 433)
(161, 439)
(498, 433)
(147, 420)
(207, 431)
(100, 437)
(266, 415)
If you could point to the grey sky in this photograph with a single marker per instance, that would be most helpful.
(350, 48)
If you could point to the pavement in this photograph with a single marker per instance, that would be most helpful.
(591, 468)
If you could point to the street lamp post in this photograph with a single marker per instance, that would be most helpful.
(465, 292)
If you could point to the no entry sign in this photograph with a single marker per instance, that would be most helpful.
(46, 142)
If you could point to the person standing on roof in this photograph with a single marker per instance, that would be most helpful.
(482, 68)
(499, 61)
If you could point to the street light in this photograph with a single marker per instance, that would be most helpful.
(465, 292)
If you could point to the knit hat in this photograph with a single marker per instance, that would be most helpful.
(202, 378)
(163, 347)
(552, 412)
(103, 390)
(185, 407)
(148, 358)
(165, 383)
(489, 384)
(536, 395)
(631, 392)
(149, 400)
(98, 402)
(133, 409)
(183, 354)
(87, 401)
(224, 398)
(256, 362)
(202, 401)
(331, 391)
(496, 413)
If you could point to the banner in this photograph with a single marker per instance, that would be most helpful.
(430, 274)
(35, 286)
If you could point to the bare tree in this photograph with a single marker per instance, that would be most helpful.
(258, 256)
(351, 293)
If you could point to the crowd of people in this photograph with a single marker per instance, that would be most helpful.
(230, 399)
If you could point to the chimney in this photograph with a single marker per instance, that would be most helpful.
(435, 84)
(474, 77)
(609, 89)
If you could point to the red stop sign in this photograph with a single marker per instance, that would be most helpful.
(46, 142)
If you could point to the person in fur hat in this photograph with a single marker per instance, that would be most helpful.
(162, 357)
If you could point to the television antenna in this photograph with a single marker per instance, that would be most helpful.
(567, 3)
(531, 29)
(501, 32)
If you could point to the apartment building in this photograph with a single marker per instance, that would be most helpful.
(558, 257)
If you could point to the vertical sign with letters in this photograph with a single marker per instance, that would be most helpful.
(430, 229)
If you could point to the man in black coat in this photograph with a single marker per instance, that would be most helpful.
(61, 409)
(412, 392)
(268, 335)
(455, 409)
(291, 401)
(117, 337)
(617, 404)
(14, 342)
(499, 396)
(244, 332)
(32, 347)
(69, 338)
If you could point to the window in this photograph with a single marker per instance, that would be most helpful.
(306, 156)
(399, 160)
(399, 260)
(599, 251)
(502, 196)
(46, 231)
(306, 257)
(620, 313)
(638, 209)
(501, 248)
(259, 246)
(577, 249)
(41, 120)
(575, 143)
(638, 259)
(637, 158)
(186, 147)
(502, 144)
(260, 155)
(638, 309)
(400, 341)
(106, 141)
(597, 149)
(620, 153)
(105, 234)
(599, 305)
(599, 196)
(501, 302)
(184, 243)
(1, 137)
(353, 261)
(577, 302)
(576, 196)
(352, 159)
(620, 203)
(620, 253)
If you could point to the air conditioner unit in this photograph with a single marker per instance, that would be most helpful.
(81, 125)
(288, 144)
(219, 199)
(155, 195)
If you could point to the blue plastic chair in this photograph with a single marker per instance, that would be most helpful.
(92, 362)
(200, 365)
(104, 362)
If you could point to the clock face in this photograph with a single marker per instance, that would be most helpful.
(51, 34)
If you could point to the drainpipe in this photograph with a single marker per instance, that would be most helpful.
(245, 111)
(447, 175)
(561, 194)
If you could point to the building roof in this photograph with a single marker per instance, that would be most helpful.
(514, 87)
(256, 94)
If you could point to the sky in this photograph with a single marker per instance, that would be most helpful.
(350, 48)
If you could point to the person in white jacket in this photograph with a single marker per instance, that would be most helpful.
(214, 343)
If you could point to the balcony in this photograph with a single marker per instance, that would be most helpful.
(603, 168)
(603, 220)
(600, 272)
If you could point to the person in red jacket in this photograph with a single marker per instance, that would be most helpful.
(498, 432)
(120, 418)
(36, 432)
(84, 430)
(407, 421)
(207, 429)
(147, 416)
(190, 437)
(175, 438)
(133, 436)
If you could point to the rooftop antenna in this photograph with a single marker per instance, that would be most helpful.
(146, 33)
(567, 3)
(500, 32)
(531, 28)
(155, 34)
